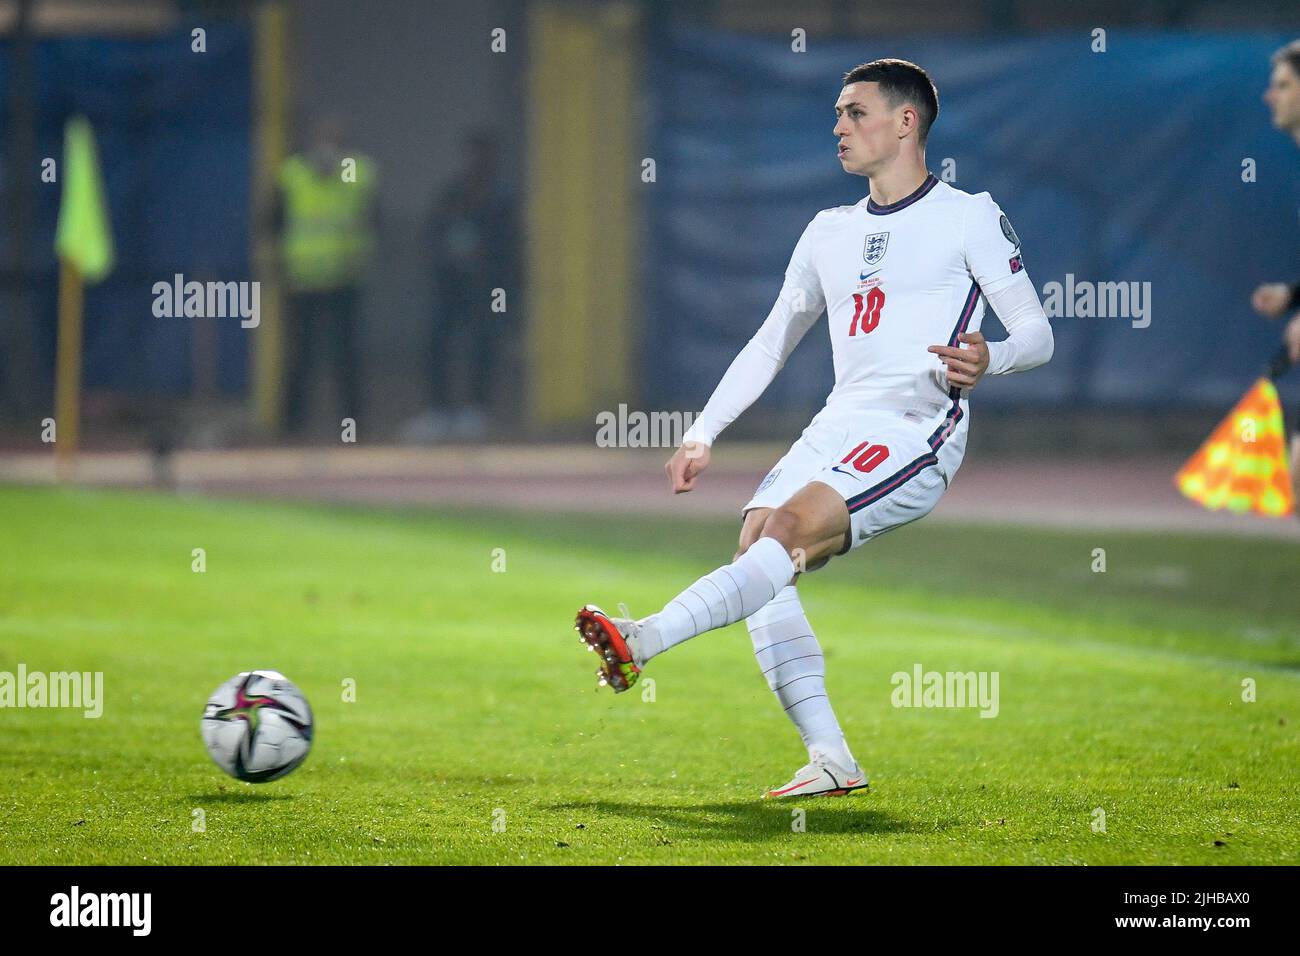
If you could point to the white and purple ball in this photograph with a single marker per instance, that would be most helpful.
(257, 726)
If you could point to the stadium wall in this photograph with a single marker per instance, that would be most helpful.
(1116, 166)
(165, 118)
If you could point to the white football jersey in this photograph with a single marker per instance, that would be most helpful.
(893, 280)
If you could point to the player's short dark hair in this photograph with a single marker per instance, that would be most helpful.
(901, 82)
(1290, 55)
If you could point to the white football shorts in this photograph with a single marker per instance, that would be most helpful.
(891, 469)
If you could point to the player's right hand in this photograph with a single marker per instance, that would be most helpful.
(686, 465)
(1271, 299)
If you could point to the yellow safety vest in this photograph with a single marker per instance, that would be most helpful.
(328, 237)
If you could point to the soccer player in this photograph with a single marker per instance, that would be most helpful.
(902, 275)
(1276, 299)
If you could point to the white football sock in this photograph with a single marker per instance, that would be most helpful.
(792, 661)
(731, 593)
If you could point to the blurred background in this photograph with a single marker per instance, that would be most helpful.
(551, 209)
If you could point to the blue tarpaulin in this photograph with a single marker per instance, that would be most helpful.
(173, 128)
(1122, 166)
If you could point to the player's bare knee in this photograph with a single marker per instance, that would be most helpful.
(787, 526)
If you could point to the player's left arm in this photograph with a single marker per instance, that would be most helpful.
(994, 260)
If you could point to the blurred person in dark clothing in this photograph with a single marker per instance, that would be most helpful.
(326, 217)
(473, 238)
(1276, 299)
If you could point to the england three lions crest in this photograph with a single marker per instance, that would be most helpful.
(873, 250)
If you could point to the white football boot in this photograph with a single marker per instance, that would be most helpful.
(822, 777)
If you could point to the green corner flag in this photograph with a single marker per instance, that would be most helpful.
(84, 238)
(84, 245)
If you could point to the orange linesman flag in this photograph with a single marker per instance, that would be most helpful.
(1242, 465)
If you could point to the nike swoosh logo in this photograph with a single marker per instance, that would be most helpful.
(843, 472)
(866, 275)
(795, 786)
(852, 783)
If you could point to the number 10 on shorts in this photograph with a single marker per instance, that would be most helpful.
(866, 456)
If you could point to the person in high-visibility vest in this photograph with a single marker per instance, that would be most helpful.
(1277, 299)
(326, 218)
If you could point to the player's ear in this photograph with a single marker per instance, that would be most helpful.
(907, 120)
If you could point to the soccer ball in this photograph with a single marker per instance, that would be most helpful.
(257, 726)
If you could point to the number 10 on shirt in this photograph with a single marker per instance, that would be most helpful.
(866, 310)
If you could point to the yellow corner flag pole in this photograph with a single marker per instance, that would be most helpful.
(83, 242)
(67, 374)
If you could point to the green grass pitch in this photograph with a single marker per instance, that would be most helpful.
(475, 702)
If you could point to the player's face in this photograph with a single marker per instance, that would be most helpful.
(1283, 97)
(867, 129)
